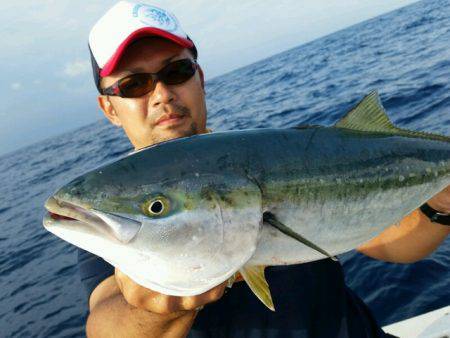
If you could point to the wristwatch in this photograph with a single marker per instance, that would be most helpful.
(434, 215)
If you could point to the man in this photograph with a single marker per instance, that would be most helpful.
(151, 86)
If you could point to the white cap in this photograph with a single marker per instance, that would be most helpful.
(126, 22)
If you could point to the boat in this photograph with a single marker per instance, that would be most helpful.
(433, 324)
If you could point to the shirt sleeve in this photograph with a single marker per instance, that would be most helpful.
(93, 270)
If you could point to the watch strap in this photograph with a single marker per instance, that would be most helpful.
(434, 215)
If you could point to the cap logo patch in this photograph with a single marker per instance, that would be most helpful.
(154, 16)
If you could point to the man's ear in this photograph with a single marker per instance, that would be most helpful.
(106, 106)
(202, 77)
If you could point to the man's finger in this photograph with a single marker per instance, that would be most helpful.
(153, 301)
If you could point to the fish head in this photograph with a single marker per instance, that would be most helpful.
(176, 236)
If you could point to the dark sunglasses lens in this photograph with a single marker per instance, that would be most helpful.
(178, 72)
(136, 85)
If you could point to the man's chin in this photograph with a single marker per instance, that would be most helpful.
(167, 134)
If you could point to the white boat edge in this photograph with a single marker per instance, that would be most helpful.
(415, 327)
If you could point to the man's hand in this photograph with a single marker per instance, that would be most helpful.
(155, 302)
(121, 308)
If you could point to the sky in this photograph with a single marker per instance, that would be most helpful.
(47, 87)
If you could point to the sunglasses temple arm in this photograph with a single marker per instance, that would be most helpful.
(112, 90)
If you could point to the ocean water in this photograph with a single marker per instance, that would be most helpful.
(404, 54)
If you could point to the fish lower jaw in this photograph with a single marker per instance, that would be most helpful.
(175, 290)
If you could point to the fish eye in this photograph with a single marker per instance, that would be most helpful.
(157, 206)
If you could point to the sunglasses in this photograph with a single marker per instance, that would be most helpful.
(136, 85)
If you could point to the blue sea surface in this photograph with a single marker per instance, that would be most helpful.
(404, 54)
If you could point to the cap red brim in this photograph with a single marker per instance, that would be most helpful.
(140, 33)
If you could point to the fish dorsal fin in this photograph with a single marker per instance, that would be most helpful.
(369, 116)
(254, 277)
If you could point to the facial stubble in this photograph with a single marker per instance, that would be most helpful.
(183, 112)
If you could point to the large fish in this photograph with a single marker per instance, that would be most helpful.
(183, 216)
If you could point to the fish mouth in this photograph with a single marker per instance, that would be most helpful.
(62, 210)
(120, 227)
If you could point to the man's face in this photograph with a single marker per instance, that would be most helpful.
(169, 111)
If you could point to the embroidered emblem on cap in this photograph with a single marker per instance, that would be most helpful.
(150, 15)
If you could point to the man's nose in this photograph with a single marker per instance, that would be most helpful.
(161, 94)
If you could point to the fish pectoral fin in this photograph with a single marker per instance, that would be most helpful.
(369, 116)
(270, 218)
(254, 277)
